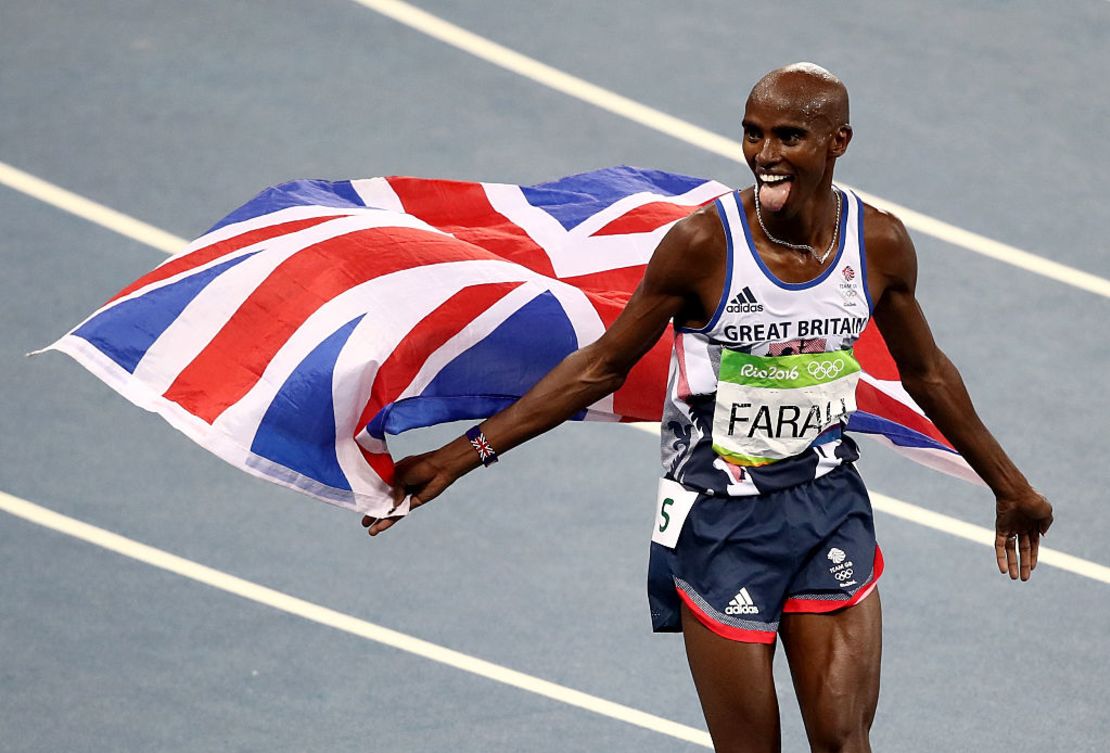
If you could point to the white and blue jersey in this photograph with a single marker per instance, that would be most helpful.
(791, 431)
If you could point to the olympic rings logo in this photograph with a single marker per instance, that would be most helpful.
(843, 574)
(825, 369)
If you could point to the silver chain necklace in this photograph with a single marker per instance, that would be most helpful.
(802, 246)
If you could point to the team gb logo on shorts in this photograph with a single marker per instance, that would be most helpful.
(837, 555)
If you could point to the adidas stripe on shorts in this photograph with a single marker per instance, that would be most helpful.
(739, 563)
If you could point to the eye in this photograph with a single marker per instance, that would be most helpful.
(752, 134)
(793, 137)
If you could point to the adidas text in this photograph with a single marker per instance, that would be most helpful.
(744, 303)
(743, 308)
(741, 604)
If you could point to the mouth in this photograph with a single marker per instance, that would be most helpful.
(772, 179)
(774, 190)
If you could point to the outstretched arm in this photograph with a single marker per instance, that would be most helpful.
(583, 377)
(1022, 514)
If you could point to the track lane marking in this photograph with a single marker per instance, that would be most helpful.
(87, 209)
(130, 227)
(515, 62)
(346, 623)
(352, 625)
(985, 536)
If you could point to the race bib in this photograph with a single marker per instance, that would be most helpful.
(672, 505)
(773, 407)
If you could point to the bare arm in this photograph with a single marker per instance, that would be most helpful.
(583, 377)
(933, 381)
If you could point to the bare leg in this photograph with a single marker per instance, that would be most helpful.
(834, 660)
(736, 688)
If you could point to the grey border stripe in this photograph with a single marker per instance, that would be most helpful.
(724, 619)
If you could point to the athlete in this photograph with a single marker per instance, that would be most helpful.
(765, 528)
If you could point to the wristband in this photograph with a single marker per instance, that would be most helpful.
(481, 445)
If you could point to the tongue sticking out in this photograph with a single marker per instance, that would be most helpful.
(773, 197)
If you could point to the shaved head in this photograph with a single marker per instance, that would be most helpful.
(795, 129)
(807, 89)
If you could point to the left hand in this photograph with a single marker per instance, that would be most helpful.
(1020, 521)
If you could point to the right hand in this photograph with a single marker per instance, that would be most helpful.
(1020, 521)
(420, 477)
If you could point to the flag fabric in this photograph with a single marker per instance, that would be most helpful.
(321, 317)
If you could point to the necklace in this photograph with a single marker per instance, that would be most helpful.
(802, 246)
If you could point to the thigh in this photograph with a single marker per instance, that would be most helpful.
(834, 661)
(736, 688)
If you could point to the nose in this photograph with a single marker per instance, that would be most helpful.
(768, 153)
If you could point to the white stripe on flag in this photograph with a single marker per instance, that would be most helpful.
(939, 460)
(376, 192)
(211, 309)
(390, 311)
(387, 323)
(603, 253)
(478, 329)
(703, 193)
(540, 226)
(277, 217)
(894, 390)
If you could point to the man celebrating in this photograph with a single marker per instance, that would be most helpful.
(765, 526)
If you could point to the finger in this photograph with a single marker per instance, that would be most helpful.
(367, 521)
(1024, 550)
(1034, 550)
(1000, 551)
(433, 488)
(1012, 557)
(397, 494)
(1046, 522)
(383, 524)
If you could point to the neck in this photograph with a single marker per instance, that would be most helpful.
(809, 224)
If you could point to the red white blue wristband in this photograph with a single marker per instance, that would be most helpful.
(481, 445)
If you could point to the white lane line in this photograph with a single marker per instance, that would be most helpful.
(649, 117)
(984, 536)
(251, 591)
(962, 529)
(163, 241)
(89, 210)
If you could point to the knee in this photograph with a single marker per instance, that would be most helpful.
(852, 743)
(841, 733)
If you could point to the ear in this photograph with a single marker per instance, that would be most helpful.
(841, 137)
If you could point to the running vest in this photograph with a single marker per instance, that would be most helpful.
(757, 399)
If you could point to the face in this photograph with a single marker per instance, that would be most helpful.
(788, 139)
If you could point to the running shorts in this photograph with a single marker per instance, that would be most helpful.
(739, 563)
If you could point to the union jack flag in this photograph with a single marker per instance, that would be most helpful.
(309, 324)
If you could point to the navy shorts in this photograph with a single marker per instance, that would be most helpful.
(739, 563)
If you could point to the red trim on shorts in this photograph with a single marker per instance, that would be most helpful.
(726, 631)
(818, 606)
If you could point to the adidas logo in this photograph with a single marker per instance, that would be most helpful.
(741, 604)
(744, 302)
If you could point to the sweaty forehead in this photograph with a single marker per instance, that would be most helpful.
(800, 95)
